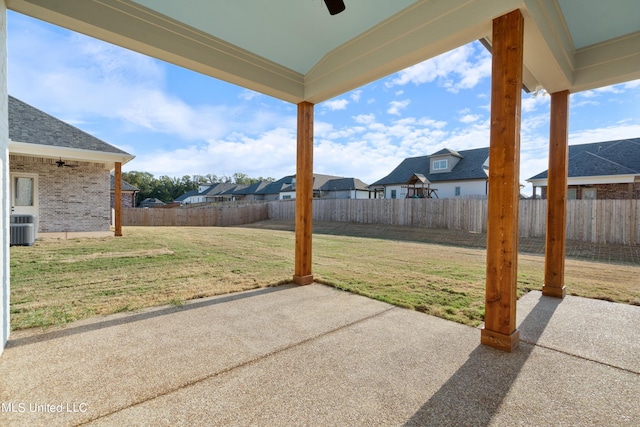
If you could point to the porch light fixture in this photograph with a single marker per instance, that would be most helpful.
(335, 6)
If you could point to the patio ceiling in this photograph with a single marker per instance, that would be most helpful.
(294, 50)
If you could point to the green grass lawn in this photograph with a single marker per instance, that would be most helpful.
(58, 281)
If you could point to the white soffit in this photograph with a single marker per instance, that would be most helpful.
(296, 34)
(294, 50)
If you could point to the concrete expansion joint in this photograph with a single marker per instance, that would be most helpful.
(239, 365)
(577, 356)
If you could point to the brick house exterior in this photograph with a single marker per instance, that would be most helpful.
(67, 171)
(602, 191)
(600, 170)
(128, 194)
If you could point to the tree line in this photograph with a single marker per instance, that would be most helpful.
(168, 188)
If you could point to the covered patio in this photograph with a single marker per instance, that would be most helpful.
(296, 51)
(317, 356)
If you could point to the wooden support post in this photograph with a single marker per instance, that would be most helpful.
(117, 178)
(304, 195)
(504, 183)
(557, 196)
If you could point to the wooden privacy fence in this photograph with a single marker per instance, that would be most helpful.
(224, 216)
(598, 221)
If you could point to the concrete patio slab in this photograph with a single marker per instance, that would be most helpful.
(602, 331)
(315, 355)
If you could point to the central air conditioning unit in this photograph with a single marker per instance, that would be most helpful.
(21, 235)
(22, 230)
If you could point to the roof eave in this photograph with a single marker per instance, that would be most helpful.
(591, 179)
(53, 152)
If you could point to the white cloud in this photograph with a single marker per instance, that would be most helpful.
(609, 133)
(248, 94)
(531, 103)
(365, 118)
(469, 118)
(336, 104)
(396, 106)
(461, 68)
(634, 84)
(355, 95)
(270, 154)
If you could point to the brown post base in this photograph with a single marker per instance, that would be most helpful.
(550, 291)
(303, 280)
(500, 341)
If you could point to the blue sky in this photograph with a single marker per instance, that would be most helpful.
(177, 122)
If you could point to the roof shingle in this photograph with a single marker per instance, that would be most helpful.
(30, 125)
(469, 167)
(618, 157)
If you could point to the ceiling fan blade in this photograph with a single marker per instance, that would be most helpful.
(335, 6)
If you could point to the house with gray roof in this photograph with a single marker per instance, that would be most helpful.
(326, 187)
(600, 170)
(187, 197)
(59, 173)
(128, 194)
(443, 174)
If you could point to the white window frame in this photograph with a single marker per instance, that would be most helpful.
(437, 165)
(34, 177)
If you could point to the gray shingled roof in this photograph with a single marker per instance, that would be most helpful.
(447, 151)
(187, 194)
(251, 189)
(469, 167)
(125, 185)
(319, 180)
(276, 186)
(30, 125)
(619, 157)
(343, 184)
(219, 188)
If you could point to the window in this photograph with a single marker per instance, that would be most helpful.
(286, 197)
(589, 194)
(393, 194)
(572, 194)
(23, 191)
(457, 191)
(439, 165)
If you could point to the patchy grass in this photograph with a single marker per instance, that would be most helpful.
(56, 282)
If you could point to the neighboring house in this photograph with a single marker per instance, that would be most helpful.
(151, 202)
(128, 194)
(273, 190)
(324, 186)
(188, 197)
(446, 173)
(251, 192)
(219, 192)
(59, 173)
(600, 170)
(340, 188)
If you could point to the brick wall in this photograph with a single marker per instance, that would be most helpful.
(70, 199)
(127, 199)
(606, 191)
